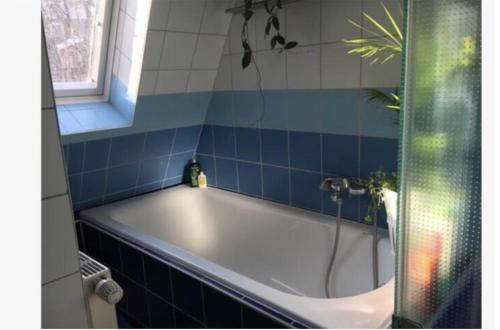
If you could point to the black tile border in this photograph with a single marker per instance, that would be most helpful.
(246, 301)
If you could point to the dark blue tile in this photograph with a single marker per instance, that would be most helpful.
(250, 178)
(126, 149)
(110, 252)
(305, 151)
(184, 321)
(90, 203)
(187, 294)
(149, 187)
(224, 141)
(226, 173)
(122, 178)
(186, 138)
(276, 182)
(206, 144)
(255, 320)
(93, 185)
(275, 147)
(132, 263)
(305, 190)
(66, 154)
(162, 314)
(349, 209)
(75, 183)
(179, 165)
(75, 158)
(378, 153)
(340, 155)
(96, 154)
(92, 244)
(153, 170)
(158, 278)
(222, 312)
(124, 194)
(158, 143)
(173, 181)
(135, 301)
(248, 144)
(208, 167)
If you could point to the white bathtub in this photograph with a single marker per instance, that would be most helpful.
(274, 253)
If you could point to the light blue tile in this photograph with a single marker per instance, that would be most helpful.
(153, 170)
(304, 110)
(377, 120)
(123, 100)
(68, 123)
(275, 112)
(247, 108)
(122, 178)
(340, 111)
(186, 138)
(178, 165)
(220, 111)
(158, 143)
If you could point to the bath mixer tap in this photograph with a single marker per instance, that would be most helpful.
(339, 187)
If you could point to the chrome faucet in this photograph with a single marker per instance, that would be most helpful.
(339, 187)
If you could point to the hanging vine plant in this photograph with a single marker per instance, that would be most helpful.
(278, 41)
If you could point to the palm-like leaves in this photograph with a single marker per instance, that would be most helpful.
(381, 44)
(391, 100)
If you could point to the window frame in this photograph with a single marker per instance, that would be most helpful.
(74, 91)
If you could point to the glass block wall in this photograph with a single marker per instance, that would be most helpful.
(439, 236)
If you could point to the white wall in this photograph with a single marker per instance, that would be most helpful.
(63, 304)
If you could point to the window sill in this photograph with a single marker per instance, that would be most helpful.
(88, 117)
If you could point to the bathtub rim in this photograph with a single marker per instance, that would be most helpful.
(276, 301)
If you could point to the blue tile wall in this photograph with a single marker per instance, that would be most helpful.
(106, 170)
(304, 136)
(159, 293)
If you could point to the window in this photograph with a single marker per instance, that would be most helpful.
(77, 33)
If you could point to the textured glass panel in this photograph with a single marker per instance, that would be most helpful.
(439, 238)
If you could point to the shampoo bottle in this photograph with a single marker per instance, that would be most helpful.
(194, 171)
(202, 180)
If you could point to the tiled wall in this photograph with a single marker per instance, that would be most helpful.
(160, 293)
(312, 118)
(105, 170)
(63, 305)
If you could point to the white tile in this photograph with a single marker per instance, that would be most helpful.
(215, 19)
(208, 52)
(178, 50)
(59, 248)
(226, 46)
(131, 7)
(223, 80)
(260, 17)
(129, 35)
(152, 50)
(235, 34)
(53, 173)
(303, 22)
(185, 15)
(63, 305)
(201, 81)
(169, 82)
(303, 68)
(334, 19)
(339, 69)
(47, 96)
(273, 69)
(119, 30)
(124, 69)
(381, 75)
(159, 14)
(116, 62)
(242, 79)
(123, 5)
(148, 82)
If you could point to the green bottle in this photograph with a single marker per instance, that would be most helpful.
(194, 171)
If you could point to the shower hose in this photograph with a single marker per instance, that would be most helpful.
(335, 248)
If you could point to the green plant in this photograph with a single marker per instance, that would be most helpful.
(380, 44)
(391, 100)
(375, 184)
(272, 7)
